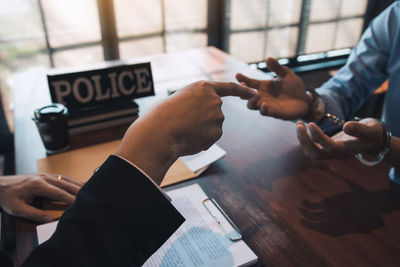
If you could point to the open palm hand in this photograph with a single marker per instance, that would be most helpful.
(365, 136)
(283, 97)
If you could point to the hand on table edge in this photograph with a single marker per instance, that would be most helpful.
(18, 191)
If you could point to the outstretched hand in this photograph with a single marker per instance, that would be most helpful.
(18, 191)
(283, 97)
(365, 136)
(187, 122)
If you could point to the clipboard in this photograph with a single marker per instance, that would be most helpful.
(211, 223)
(204, 217)
(236, 235)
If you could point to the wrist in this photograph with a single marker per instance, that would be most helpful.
(152, 150)
(316, 106)
(310, 101)
(386, 145)
(393, 155)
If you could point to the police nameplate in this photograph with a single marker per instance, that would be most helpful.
(100, 86)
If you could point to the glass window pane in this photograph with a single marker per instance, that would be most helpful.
(141, 47)
(79, 56)
(324, 9)
(320, 37)
(179, 41)
(25, 48)
(138, 17)
(188, 14)
(248, 14)
(247, 46)
(14, 63)
(349, 32)
(282, 42)
(71, 21)
(284, 12)
(353, 8)
(20, 19)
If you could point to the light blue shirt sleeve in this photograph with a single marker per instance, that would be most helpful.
(375, 59)
(365, 70)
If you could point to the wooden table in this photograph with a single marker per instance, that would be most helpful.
(292, 211)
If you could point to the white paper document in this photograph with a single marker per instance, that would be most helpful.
(200, 241)
(204, 158)
(45, 231)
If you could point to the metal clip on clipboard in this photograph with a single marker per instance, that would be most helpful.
(233, 236)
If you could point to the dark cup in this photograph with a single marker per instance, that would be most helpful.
(52, 123)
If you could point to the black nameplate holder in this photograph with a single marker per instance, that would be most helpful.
(101, 98)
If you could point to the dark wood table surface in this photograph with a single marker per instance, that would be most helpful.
(292, 211)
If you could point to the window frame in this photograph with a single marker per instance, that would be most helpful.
(218, 29)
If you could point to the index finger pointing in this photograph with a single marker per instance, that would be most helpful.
(233, 89)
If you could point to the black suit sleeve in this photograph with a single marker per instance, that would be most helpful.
(119, 218)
